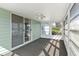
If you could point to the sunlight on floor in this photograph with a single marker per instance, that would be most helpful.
(3, 50)
(6, 52)
(52, 49)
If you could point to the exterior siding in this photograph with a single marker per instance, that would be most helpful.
(35, 29)
(5, 34)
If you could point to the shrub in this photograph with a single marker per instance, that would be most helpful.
(55, 30)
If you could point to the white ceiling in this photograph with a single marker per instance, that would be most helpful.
(51, 11)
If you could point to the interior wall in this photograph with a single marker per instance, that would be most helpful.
(5, 32)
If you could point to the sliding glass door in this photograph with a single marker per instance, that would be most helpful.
(17, 30)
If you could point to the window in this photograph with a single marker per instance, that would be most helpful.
(45, 29)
